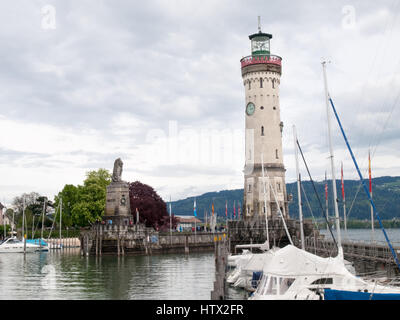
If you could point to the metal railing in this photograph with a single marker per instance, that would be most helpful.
(261, 59)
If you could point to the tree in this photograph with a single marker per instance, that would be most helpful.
(152, 209)
(70, 197)
(87, 202)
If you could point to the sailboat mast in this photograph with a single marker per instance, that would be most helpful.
(265, 200)
(4, 222)
(340, 250)
(370, 192)
(41, 232)
(298, 188)
(60, 219)
(344, 202)
(23, 224)
(326, 203)
(170, 219)
(279, 210)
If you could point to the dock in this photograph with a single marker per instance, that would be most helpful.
(139, 240)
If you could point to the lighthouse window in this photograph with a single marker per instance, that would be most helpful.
(249, 85)
(276, 153)
(273, 83)
(261, 82)
(262, 108)
(249, 188)
(262, 130)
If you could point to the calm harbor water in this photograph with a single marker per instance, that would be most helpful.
(366, 235)
(67, 275)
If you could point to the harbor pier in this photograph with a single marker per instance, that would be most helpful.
(137, 239)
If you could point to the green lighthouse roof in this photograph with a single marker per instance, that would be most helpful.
(260, 34)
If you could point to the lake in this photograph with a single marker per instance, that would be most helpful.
(68, 275)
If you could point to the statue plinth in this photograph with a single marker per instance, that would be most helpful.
(117, 199)
(118, 207)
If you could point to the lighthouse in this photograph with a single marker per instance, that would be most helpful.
(261, 73)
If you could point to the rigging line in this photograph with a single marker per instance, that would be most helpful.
(54, 219)
(354, 199)
(386, 123)
(309, 206)
(373, 63)
(315, 190)
(365, 186)
(313, 218)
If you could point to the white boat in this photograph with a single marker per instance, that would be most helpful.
(295, 274)
(239, 262)
(254, 265)
(233, 259)
(14, 245)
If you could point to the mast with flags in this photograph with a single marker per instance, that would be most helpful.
(170, 220)
(195, 217)
(226, 213)
(212, 219)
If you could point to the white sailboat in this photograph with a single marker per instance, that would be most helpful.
(14, 245)
(295, 274)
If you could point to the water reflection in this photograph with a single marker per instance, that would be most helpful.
(68, 275)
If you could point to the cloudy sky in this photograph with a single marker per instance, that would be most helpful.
(158, 83)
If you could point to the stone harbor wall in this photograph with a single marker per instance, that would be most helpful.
(117, 239)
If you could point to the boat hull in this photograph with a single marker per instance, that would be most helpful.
(331, 294)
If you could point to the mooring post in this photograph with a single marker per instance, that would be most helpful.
(87, 245)
(186, 244)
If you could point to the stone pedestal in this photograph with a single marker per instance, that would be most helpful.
(118, 204)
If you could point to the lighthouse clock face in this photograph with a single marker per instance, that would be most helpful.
(250, 108)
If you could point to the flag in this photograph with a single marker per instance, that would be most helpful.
(226, 209)
(234, 209)
(342, 183)
(326, 188)
(369, 173)
(212, 209)
(194, 208)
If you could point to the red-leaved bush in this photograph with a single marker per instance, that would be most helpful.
(152, 208)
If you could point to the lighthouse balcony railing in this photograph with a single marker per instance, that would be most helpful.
(261, 59)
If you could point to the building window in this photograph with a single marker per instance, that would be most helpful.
(249, 85)
(273, 83)
(276, 154)
(262, 108)
(261, 82)
(262, 130)
(249, 188)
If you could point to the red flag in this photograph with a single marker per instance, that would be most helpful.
(212, 208)
(342, 183)
(369, 172)
(326, 188)
(234, 209)
(226, 208)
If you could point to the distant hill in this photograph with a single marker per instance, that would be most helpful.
(385, 190)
